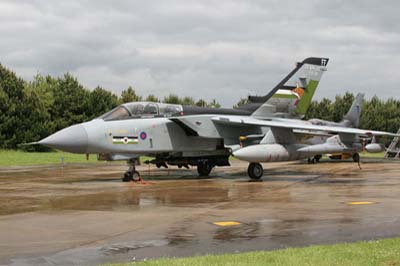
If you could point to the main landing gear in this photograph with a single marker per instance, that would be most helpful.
(314, 159)
(317, 158)
(357, 159)
(255, 171)
(204, 168)
(131, 174)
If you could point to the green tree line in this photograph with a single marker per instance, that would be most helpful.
(377, 114)
(30, 111)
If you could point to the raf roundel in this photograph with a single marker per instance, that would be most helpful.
(143, 135)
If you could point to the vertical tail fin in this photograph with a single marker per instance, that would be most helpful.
(352, 118)
(300, 85)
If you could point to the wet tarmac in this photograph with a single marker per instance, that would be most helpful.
(84, 214)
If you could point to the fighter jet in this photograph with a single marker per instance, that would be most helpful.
(185, 135)
(280, 143)
(351, 119)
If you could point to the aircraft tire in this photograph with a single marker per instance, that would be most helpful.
(255, 171)
(317, 158)
(136, 176)
(127, 177)
(204, 169)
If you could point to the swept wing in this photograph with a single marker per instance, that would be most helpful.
(290, 125)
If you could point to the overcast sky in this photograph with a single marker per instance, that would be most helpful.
(210, 49)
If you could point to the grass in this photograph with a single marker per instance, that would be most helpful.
(378, 155)
(364, 154)
(21, 158)
(381, 252)
(14, 158)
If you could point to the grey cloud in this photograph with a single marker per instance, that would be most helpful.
(211, 49)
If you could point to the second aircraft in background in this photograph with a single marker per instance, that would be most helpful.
(293, 140)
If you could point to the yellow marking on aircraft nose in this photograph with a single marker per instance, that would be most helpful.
(360, 202)
(122, 131)
(226, 223)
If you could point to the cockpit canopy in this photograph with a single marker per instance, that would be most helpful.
(143, 110)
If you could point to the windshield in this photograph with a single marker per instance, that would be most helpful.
(118, 113)
(143, 110)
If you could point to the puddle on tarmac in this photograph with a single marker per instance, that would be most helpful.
(127, 247)
(100, 188)
(242, 231)
(131, 199)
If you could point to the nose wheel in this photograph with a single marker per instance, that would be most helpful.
(131, 174)
(255, 171)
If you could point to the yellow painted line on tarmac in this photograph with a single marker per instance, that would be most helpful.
(360, 202)
(226, 223)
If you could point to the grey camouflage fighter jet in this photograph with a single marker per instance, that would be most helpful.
(290, 140)
(186, 135)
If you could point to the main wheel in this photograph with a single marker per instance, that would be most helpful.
(356, 157)
(136, 176)
(127, 176)
(131, 176)
(317, 158)
(204, 168)
(255, 171)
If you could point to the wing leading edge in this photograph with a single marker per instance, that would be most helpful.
(235, 120)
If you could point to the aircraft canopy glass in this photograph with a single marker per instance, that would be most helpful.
(143, 110)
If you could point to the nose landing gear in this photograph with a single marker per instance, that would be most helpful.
(131, 174)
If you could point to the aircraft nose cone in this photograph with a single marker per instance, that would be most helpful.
(71, 139)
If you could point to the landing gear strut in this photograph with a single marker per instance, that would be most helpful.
(356, 159)
(204, 168)
(131, 174)
(255, 171)
(314, 159)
